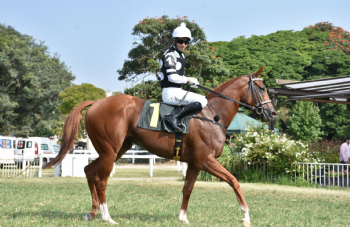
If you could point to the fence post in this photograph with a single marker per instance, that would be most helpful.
(178, 166)
(342, 175)
(58, 170)
(23, 167)
(151, 167)
(40, 166)
(184, 168)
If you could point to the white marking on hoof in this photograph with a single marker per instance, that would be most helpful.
(105, 214)
(111, 221)
(246, 224)
(87, 217)
(246, 219)
(183, 218)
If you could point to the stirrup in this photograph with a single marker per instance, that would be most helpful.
(182, 126)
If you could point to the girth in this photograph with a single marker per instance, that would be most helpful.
(212, 121)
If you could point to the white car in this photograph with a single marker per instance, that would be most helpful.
(7, 150)
(32, 147)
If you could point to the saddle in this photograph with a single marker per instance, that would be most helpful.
(153, 117)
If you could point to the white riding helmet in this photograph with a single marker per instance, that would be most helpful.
(182, 32)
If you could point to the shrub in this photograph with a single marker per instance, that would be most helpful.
(280, 153)
(260, 145)
(329, 150)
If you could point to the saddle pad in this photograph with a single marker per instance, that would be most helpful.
(153, 117)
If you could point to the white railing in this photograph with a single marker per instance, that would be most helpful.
(18, 166)
(324, 174)
(72, 165)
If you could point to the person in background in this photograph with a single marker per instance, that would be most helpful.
(344, 151)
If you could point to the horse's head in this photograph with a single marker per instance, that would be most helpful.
(257, 97)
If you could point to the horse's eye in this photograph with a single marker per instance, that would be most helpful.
(262, 90)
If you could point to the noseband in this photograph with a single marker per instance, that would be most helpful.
(258, 103)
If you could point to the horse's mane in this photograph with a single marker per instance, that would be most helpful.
(223, 86)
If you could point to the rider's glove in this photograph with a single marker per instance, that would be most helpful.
(193, 81)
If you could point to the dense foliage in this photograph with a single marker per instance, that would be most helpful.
(30, 81)
(76, 94)
(146, 90)
(293, 55)
(73, 96)
(305, 122)
(335, 120)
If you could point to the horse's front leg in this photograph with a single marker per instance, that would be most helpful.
(213, 167)
(191, 177)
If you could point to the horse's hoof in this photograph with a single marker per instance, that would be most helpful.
(111, 221)
(87, 217)
(184, 221)
(245, 223)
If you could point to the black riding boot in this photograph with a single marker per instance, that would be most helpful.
(174, 119)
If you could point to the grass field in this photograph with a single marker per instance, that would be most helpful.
(64, 201)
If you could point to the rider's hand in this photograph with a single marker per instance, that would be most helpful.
(193, 81)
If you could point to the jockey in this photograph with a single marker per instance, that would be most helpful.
(172, 78)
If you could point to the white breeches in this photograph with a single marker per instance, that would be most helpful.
(173, 96)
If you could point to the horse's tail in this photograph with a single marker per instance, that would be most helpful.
(69, 132)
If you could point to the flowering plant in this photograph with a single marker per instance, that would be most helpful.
(259, 144)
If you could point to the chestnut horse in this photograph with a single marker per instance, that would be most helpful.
(111, 124)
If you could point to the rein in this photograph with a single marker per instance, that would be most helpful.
(258, 103)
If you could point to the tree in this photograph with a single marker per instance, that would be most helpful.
(155, 37)
(335, 120)
(301, 55)
(305, 122)
(30, 81)
(76, 94)
(150, 90)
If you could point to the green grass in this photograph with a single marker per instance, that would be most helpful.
(144, 173)
(64, 201)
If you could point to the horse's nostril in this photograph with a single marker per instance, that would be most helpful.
(274, 114)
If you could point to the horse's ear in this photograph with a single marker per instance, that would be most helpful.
(257, 74)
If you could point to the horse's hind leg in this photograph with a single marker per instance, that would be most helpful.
(91, 175)
(213, 167)
(191, 177)
(90, 172)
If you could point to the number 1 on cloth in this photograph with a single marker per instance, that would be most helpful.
(155, 115)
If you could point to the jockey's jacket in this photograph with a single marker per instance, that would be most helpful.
(172, 69)
(172, 77)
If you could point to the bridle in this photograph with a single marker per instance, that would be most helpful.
(258, 103)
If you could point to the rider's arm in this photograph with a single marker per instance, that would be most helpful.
(176, 78)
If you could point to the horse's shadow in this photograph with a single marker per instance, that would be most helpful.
(65, 216)
(48, 214)
(143, 217)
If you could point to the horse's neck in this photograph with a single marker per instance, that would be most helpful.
(225, 108)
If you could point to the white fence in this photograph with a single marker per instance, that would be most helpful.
(19, 168)
(324, 174)
(72, 165)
